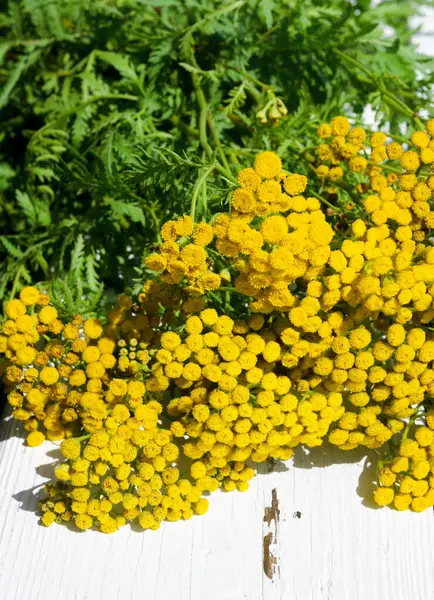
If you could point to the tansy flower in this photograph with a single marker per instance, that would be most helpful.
(92, 328)
(410, 161)
(322, 171)
(324, 130)
(420, 139)
(203, 234)
(295, 184)
(49, 375)
(15, 308)
(383, 496)
(170, 340)
(340, 126)
(119, 387)
(29, 295)
(248, 178)
(47, 315)
(269, 191)
(156, 262)
(427, 156)
(274, 229)
(357, 164)
(184, 226)
(377, 139)
(193, 255)
(243, 200)
(336, 173)
(267, 165)
(360, 338)
(26, 355)
(35, 438)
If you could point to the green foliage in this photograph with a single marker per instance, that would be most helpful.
(117, 113)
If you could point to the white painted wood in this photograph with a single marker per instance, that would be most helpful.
(337, 549)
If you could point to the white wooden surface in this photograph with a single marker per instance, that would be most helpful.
(327, 545)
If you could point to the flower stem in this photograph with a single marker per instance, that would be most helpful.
(227, 174)
(197, 188)
(217, 142)
(203, 106)
(389, 98)
(385, 167)
(322, 199)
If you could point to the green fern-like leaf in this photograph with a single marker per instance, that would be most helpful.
(237, 97)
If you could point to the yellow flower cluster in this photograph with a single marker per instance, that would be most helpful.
(407, 480)
(125, 472)
(183, 257)
(88, 384)
(269, 255)
(265, 329)
(348, 328)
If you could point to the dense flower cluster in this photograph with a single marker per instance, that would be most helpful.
(326, 337)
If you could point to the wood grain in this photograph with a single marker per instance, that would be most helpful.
(326, 543)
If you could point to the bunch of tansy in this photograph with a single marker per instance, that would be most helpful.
(276, 324)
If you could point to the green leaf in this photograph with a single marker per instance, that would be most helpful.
(237, 97)
(77, 256)
(14, 76)
(192, 69)
(27, 206)
(6, 174)
(265, 9)
(13, 250)
(91, 274)
(43, 215)
(135, 213)
(120, 62)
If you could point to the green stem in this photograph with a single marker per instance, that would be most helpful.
(384, 167)
(197, 188)
(354, 62)
(390, 99)
(322, 199)
(200, 96)
(227, 174)
(176, 121)
(217, 143)
(254, 92)
(16, 281)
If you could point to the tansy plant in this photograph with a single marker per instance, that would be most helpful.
(288, 320)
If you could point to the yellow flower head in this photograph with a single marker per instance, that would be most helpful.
(184, 226)
(203, 234)
(267, 165)
(35, 438)
(156, 262)
(93, 328)
(340, 126)
(295, 184)
(15, 308)
(274, 229)
(249, 179)
(29, 295)
(324, 131)
(410, 161)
